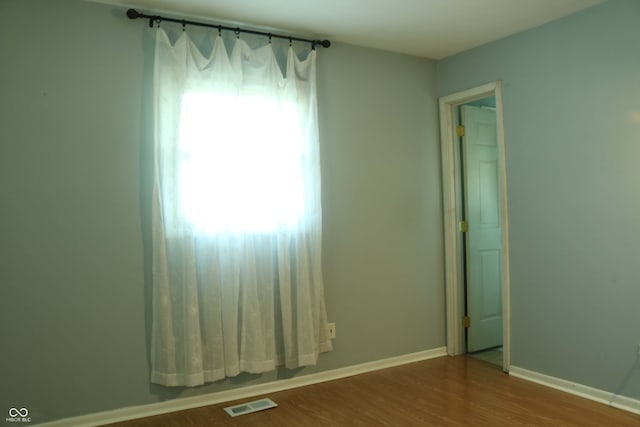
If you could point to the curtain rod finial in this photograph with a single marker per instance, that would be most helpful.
(324, 43)
(133, 14)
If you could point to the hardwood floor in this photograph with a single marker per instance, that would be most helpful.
(447, 391)
(493, 356)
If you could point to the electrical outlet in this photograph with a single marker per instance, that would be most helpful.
(331, 330)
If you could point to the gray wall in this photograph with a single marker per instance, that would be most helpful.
(572, 129)
(74, 188)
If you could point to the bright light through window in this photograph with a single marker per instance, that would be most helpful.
(241, 168)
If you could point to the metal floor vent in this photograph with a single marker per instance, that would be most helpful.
(249, 407)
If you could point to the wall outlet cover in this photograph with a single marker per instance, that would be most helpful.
(331, 329)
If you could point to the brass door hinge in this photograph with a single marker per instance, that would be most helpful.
(460, 130)
(464, 226)
(466, 322)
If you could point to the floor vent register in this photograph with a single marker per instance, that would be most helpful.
(250, 407)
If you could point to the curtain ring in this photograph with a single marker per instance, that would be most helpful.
(237, 31)
(184, 26)
(313, 45)
(219, 30)
(290, 41)
(158, 21)
(269, 38)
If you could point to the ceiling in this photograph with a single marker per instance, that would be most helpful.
(428, 28)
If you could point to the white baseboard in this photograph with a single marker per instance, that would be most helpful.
(617, 401)
(141, 411)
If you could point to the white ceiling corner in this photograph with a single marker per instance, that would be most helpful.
(427, 28)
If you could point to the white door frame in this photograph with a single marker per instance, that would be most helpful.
(454, 283)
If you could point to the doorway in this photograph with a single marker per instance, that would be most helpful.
(482, 230)
(476, 221)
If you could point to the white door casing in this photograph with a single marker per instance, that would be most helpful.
(452, 239)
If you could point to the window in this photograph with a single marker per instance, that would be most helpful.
(243, 174)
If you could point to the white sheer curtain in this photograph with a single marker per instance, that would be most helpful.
(237, 281)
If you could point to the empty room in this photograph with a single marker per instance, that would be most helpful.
(429, 216)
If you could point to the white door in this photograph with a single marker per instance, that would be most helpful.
(483, 240)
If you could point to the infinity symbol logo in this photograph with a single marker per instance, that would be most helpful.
(22, 412)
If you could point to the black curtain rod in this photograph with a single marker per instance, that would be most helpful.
(134, 14)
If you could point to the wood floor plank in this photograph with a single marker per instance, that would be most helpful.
(447, 391)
